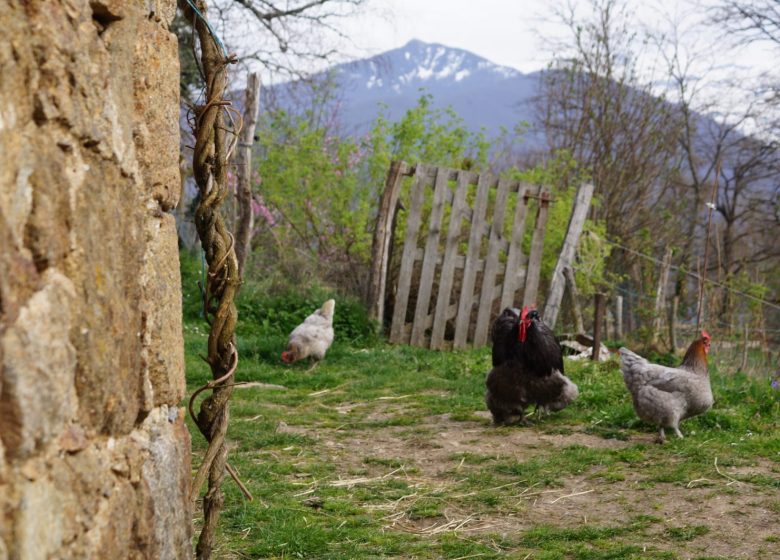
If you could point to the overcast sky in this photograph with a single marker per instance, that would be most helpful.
(522, 33)
(515, 32)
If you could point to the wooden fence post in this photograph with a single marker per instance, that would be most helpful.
(447, 275)
(535, 256)
(672, 325)
(512, 274)
(430, 257)
(245, 221)
(495, 242)
(660, 294)
(619, 317)
(576, 223)
(466, 301)
(598, 320)
(743, 365)
(579, 326)
(413, 221)
(383, 234)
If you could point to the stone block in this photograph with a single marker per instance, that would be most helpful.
(163, 343)
(156, 113)
(166, 473)
(39, 364)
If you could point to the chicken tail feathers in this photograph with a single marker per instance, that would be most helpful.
(327, 309)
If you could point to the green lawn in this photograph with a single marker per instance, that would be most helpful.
(388, 452)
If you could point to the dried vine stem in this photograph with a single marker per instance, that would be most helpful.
(209, 164)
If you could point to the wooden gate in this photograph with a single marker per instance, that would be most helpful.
(462, 259)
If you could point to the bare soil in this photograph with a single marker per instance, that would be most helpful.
(742, 518)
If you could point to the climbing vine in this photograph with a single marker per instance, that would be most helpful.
(214, 143)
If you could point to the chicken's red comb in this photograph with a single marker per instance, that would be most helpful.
(524, 313)
(705, 335)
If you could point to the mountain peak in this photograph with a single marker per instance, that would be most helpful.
(485, 94)
(421, 64)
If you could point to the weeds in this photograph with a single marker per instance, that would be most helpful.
(388, 452)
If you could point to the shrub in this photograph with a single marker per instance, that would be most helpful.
(276, 313)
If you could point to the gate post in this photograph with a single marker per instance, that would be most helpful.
(383, 233)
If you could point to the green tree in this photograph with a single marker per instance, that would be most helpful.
(320, 191)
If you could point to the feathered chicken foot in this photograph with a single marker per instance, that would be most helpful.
(540, 412)
(311, 367)
(517, 419)
(662, 434)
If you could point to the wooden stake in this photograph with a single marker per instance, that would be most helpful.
(660, 295)
(535, 256)
(743, 365)
(566, 257)
(383, 234)
(672, 324)
(598, 320)
(619, 317)
(245, 223)
(575, 300)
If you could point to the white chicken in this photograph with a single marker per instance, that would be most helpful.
(313, 337)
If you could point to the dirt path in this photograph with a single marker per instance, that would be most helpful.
(711, 517)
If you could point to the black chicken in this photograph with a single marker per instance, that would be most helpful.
(527, 368)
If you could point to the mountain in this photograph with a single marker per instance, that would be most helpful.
(484, 94)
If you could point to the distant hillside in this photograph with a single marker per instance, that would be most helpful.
(484, 94)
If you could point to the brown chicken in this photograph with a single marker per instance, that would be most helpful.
(665, 396)
(527, 368)
(313, 337)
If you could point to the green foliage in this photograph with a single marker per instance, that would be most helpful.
(562, 175)
(425, 134)
(311, 182)
(275, 314)
(408, 426)
(687, 533)
(321, 190)
(278, 314)
(191, 273)
(759, 290)
(190, 79)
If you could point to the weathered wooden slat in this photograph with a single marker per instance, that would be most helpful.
(577, 221)
(460, 260)
(449, 260)
(491, 264)
(470, 271)
(433, 257)
(407, 259)
(515, 255)
(382, 235)
(535, 256)
(430, 258)
(451, 311)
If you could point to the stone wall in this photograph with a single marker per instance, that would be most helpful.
(94, 452)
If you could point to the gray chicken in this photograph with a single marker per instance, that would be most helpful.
(663, 395)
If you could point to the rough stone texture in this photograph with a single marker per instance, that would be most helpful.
(94, 453)
(160, 274)
(39, 364)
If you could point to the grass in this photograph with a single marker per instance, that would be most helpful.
(393, 443)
